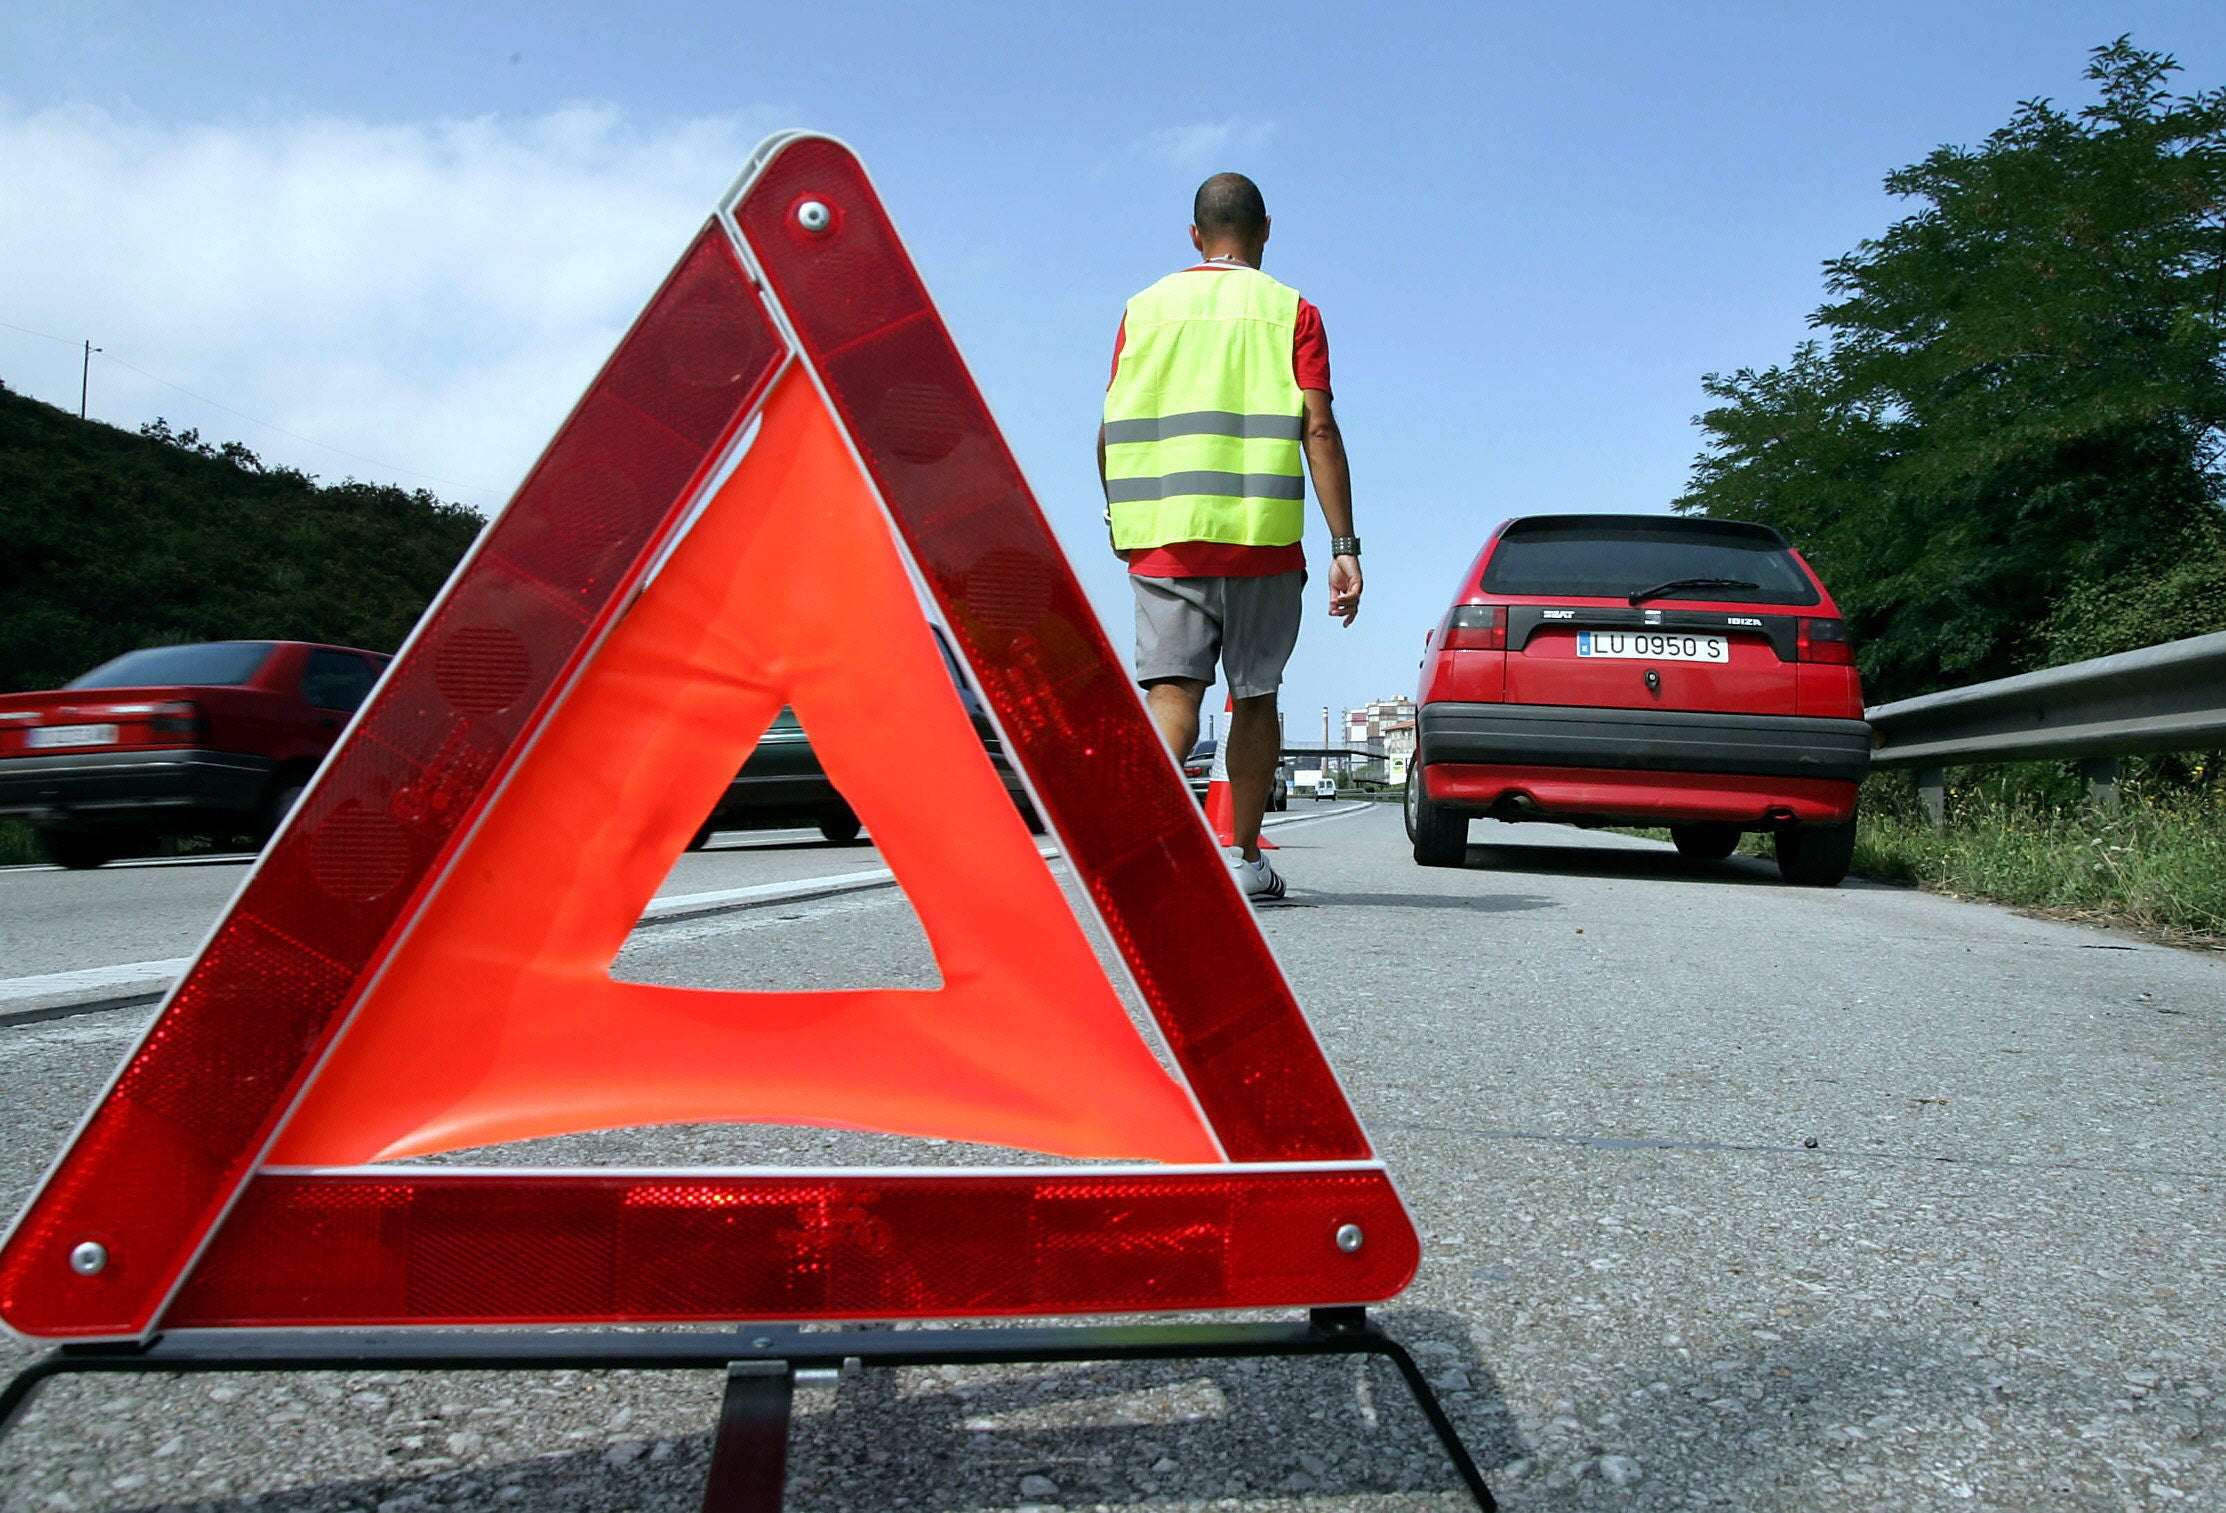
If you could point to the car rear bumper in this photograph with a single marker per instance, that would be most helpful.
(1660, 741)
(1604, 796)
(132, 785)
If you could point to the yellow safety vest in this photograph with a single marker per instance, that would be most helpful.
(1203, 420)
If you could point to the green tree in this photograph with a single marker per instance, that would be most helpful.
(2019, 398)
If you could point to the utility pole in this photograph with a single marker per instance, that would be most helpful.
(85, 376)
(1325, 732)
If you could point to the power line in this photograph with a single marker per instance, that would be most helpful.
(281, 430)
(445, 483)
(27, 331)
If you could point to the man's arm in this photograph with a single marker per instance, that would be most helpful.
(1333, 488)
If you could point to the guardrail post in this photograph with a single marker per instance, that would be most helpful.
(2101, 774)
(1932, 792)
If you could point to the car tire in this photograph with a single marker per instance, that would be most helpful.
(283, 797)
(1440, 836)
(1705, 841)
(839, 826)
(82, 850)
(701, 838)
(1816, 856)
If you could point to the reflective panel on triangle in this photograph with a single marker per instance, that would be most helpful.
(497, 1019)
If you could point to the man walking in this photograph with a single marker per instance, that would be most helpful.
(1220, 385)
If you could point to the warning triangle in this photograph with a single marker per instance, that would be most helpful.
(739, 515)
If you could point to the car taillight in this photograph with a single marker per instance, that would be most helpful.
(180, 718)
(1825, 641)
(1194, 769)
(1477, 627)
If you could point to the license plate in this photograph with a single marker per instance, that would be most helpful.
(1653, 645)
(41, 737)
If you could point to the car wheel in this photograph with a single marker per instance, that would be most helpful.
(1705, 841)
(701, 838)
(1816, 856)
(839, 826)
(81, 850)
(281, 803)
(1440, 836)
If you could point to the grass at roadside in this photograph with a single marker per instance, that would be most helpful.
(2158, 863)
(2025, 836)
(16, 845)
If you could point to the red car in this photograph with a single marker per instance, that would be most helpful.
(1642, 670)
(214, 739)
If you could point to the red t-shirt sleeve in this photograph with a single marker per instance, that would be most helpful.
(1309, 350)
(1120, 340)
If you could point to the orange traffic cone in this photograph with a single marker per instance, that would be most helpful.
(1221, 809)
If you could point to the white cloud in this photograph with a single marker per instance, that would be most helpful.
(1206, 146)
(433, 295)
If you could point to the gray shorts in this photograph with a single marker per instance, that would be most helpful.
(1184, 626)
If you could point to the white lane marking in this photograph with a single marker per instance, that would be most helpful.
(124, 975)
(143, 975)
(724, 898)
(144, 863)
(1315, 819)
(160, 974)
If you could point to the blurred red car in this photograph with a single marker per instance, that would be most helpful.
(1642, 670)
(213, 739)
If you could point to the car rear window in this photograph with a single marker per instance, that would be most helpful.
(1614, 559)
(213, 664)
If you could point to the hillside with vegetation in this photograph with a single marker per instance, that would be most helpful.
(111, 541)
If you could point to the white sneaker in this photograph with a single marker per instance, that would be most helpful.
(1258, 879)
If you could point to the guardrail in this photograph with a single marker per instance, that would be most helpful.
(2160, 698)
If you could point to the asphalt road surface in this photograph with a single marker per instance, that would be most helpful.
(1996, 1279)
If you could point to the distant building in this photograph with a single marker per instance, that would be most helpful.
(1366, 725)
(1365, 730)
(1398, 750)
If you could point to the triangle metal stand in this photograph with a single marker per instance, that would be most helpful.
(763, 1363)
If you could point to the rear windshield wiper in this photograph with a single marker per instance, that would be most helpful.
(1660, 589)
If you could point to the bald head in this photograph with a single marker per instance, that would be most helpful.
(1228, 208)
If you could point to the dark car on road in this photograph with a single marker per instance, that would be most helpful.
(214, 739)
(1198, 773)
(1642, 670)
(782, 784)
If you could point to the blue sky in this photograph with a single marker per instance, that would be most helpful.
(410, 231)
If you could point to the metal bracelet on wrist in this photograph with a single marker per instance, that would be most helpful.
(1344, 546)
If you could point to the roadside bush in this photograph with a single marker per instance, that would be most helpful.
(16, 845)
(2185, 596)
(2024, 835)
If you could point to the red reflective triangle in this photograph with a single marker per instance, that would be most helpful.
(420, 962)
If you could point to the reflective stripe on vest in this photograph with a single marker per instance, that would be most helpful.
(1204, 418)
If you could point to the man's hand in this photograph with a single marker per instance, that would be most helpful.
(1333, 490)
(1344, 587)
